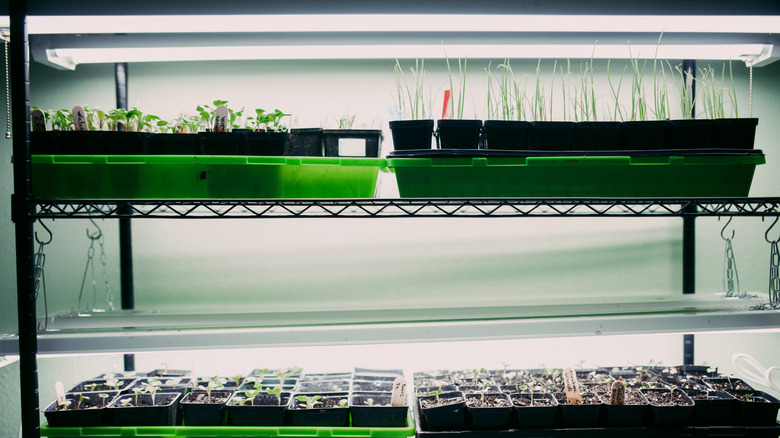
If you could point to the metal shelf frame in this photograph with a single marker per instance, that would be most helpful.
(372, 208)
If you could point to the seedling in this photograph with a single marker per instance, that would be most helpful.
(276, 391)
(457, 100)
(90, 387)
(241, 401)
(125, 402)
(136, 392)
(309, 402)
(251, 394)
(369, 402)
(113, 383)
(343, 403)
(238, 378)
(81, 397)
(212, 385)
(103, 398)
(437, 393)
(152, 388)
(413, 99)
(64, 405)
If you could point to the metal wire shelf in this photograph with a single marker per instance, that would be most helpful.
(450, 207)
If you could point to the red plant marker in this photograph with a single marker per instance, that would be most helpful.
(445, 111)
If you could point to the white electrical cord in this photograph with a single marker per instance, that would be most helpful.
(749, 369)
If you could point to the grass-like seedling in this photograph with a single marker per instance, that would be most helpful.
(617, 111)
(457, 100)
(413, 95)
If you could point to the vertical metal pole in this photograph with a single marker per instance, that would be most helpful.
(125, 229)
(689, 222)
(23, 217)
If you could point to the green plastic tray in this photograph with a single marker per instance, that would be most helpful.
(232, 431)
(202, 177)
(576, 176)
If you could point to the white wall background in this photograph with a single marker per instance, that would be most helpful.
(354, 264)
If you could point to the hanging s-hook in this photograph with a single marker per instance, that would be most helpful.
(96, 235)
(724, 229)
(51, 236)
(766, 234)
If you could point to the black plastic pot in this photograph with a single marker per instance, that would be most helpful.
(174, 144)
(507, 134)
(595, 136)
(45, 142)
(82, 143)
(221, 143)
(372, 385)
(586, 414)
(324, 386)
(126, 143)
(756, 408)
(305, 142)
(552, 136)
(490, 418)
(352, 142)
(713, 408)
(451, 415)
(634, 412)
(532, 415)
(689, 134)
(264, 410)
(734, 133)
(374, 410)
(642, 135)
(163, 413)
(98, 385)
(91, 411)
(330, 411)
(197, 412)
(411, 134)
(458, 133)
(726, 384)
(667, 415)
(261, 143)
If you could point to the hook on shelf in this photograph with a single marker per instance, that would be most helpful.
(96, 235)
(724, 229)
(48, 241)
(766, 234)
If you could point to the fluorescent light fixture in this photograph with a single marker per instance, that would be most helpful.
(403, 23)
(220, 53)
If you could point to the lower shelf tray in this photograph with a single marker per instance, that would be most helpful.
(231, 431)
(203, 177)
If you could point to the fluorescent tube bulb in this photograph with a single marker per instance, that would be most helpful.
(403, 23)
(111, 55)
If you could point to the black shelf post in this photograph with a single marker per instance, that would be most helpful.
(689, 225)
(125, 229)
(23, 217)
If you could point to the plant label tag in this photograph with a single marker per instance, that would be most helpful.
(60, 390)
(79, 118)
(399, 392)
(221, 117)
(618, 394)
(38, 120)
(573, 396)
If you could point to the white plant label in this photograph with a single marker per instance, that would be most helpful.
(38, 120)
(79, 118)
(573, 396)
(399, 392)
(60, 391)
(617, 395)
(221, 118)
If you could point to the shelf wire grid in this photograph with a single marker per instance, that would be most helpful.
(449, 207)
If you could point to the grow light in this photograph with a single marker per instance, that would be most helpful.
(404, 23)
(77, 56)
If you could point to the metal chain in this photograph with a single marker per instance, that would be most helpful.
(40, 281)
(109, 294)
(774, 275)
(7, 91)
(751, 91)
(730, 275)
(90, 264)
